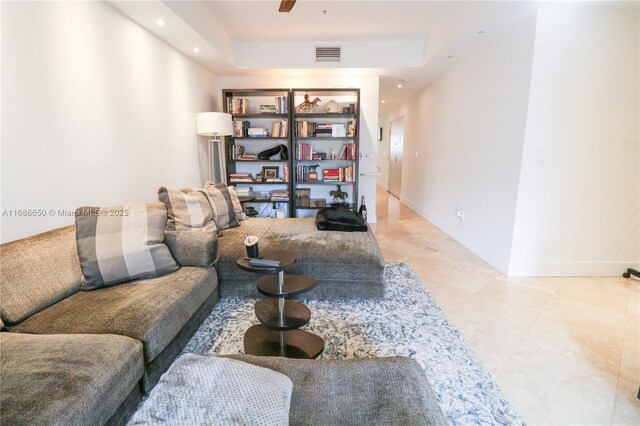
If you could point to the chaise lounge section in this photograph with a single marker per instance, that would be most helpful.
(345, 265)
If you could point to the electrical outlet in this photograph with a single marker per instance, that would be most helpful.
(460, 216)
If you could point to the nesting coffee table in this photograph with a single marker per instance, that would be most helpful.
(281, 317)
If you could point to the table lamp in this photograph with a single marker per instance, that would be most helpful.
(215, 124)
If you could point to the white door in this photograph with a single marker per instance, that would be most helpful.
(396, 142)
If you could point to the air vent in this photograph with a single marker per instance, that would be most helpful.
(328, 54)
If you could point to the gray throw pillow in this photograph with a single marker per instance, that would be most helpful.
(221, 201)
(201, 390)
(187, 211)
(118, 244)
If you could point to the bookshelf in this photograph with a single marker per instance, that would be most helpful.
(320, 138)
(252, 109)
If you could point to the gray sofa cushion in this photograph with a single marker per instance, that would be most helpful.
(66, 379)
(36, 272)
(202, 390)
(193, 248)
(369, 391)
(346, 265)
(152, 311)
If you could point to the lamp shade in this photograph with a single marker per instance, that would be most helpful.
(214, 124)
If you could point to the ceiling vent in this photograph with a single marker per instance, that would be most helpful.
(328, 54)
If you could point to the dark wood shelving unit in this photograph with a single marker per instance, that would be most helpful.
(255, 145)
(344, 97)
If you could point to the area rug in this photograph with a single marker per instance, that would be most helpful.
(406, 322)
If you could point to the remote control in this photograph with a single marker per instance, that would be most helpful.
(266, 263)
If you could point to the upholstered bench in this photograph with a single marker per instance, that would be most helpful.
(347, 265)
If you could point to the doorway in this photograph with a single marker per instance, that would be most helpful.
(396, 142)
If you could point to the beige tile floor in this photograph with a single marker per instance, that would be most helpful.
(564, 350)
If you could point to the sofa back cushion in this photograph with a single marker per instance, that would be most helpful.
(124, 243)
(223, 210)
(37, 272)
(187, 211)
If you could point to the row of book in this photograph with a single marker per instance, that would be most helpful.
(279, 129)
(238, 105)
(241, 128)
(341, 174)
(235, 152)
(308, 129)
(305, 152)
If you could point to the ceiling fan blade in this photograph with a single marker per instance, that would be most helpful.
(286, 5)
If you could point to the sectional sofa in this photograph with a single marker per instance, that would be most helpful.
(87, 357)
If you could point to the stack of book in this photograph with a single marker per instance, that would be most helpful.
(267, 109)
(235, 152)
(238, 105)
(248, 157)
(331, 175)
(323, 130)
(305, 151)
(240, 177)
(319, 156)
(241, 128)
(342, 174)
(280, 195)
(244, 191)
(303, 197)
(282, 107)
(279, 129)
(348, 152)
(257, 132)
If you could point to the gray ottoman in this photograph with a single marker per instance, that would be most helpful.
(369, 391)
(347, 265)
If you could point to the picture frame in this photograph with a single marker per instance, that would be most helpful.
(270, 172)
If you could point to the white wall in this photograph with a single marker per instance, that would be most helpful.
(383, 152)
(467, 128)
(95, 111)
(368, 125)
(578, 205)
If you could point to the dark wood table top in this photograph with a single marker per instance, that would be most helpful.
(286, 258)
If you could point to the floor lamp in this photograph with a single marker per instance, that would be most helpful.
(215, 124)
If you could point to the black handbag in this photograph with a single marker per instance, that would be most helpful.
(280, 149)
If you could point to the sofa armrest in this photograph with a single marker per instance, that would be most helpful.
(193, 248)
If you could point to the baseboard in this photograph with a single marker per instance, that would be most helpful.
(383, 186)
(413, 206)
(570, 269)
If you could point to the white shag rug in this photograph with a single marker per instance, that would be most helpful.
(407, 322)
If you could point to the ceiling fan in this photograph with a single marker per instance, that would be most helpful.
(286, 5)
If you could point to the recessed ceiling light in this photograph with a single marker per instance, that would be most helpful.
(399, 86)
(449, 57)
(195, 49)
(481, 32)
(160, 22)
(382, 101)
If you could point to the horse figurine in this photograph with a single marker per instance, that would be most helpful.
(307, 105)
(339, 196)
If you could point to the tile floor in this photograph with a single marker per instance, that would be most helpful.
(564, 350)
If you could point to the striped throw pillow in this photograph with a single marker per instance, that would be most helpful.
(118, 244)
(235, 200)
(187, 210)
(220, 199)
